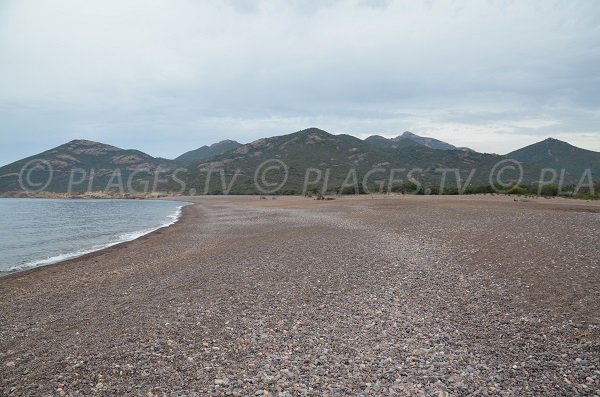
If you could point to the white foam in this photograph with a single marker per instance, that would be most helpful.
(172, 218)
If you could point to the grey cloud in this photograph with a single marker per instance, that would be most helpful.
(173, 75)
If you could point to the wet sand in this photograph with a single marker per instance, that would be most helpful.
(391, 295)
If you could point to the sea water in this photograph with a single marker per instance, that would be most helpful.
(37, 232)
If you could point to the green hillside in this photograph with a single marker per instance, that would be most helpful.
(282, 164)
(558, 155)
(89, 165)
(338, 157)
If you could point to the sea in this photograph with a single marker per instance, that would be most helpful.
(38, 232)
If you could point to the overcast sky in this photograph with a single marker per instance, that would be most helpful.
(169, 76)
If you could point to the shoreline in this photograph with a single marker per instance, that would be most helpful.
(556, 203)
(179, 214)
(249, 195)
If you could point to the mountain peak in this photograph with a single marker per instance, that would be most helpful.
(554, 140)
(224, 143)
(96, 164)
(80, 145)
(313, 130)
(310, 134)
(376, 138)
(556, 154)
(425, 141)
(84, 142)
(205, 151)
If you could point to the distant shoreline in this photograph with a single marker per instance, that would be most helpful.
(96, 195)
(106, 196)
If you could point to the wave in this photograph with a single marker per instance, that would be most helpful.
(122, 238)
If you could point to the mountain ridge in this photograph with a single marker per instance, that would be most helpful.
(407, 136)
(313, 149)
(93, 164)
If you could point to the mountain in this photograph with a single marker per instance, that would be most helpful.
(410, 139)
(556, 154)
(428, 142)
(283, 164)
(205, 152)
(89, 165)
(314, 151)
(390, 143)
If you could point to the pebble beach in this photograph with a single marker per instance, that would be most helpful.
(290, 296)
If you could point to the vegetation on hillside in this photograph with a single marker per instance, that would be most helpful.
(309, 160)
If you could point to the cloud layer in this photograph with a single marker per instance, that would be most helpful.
(168, 76)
